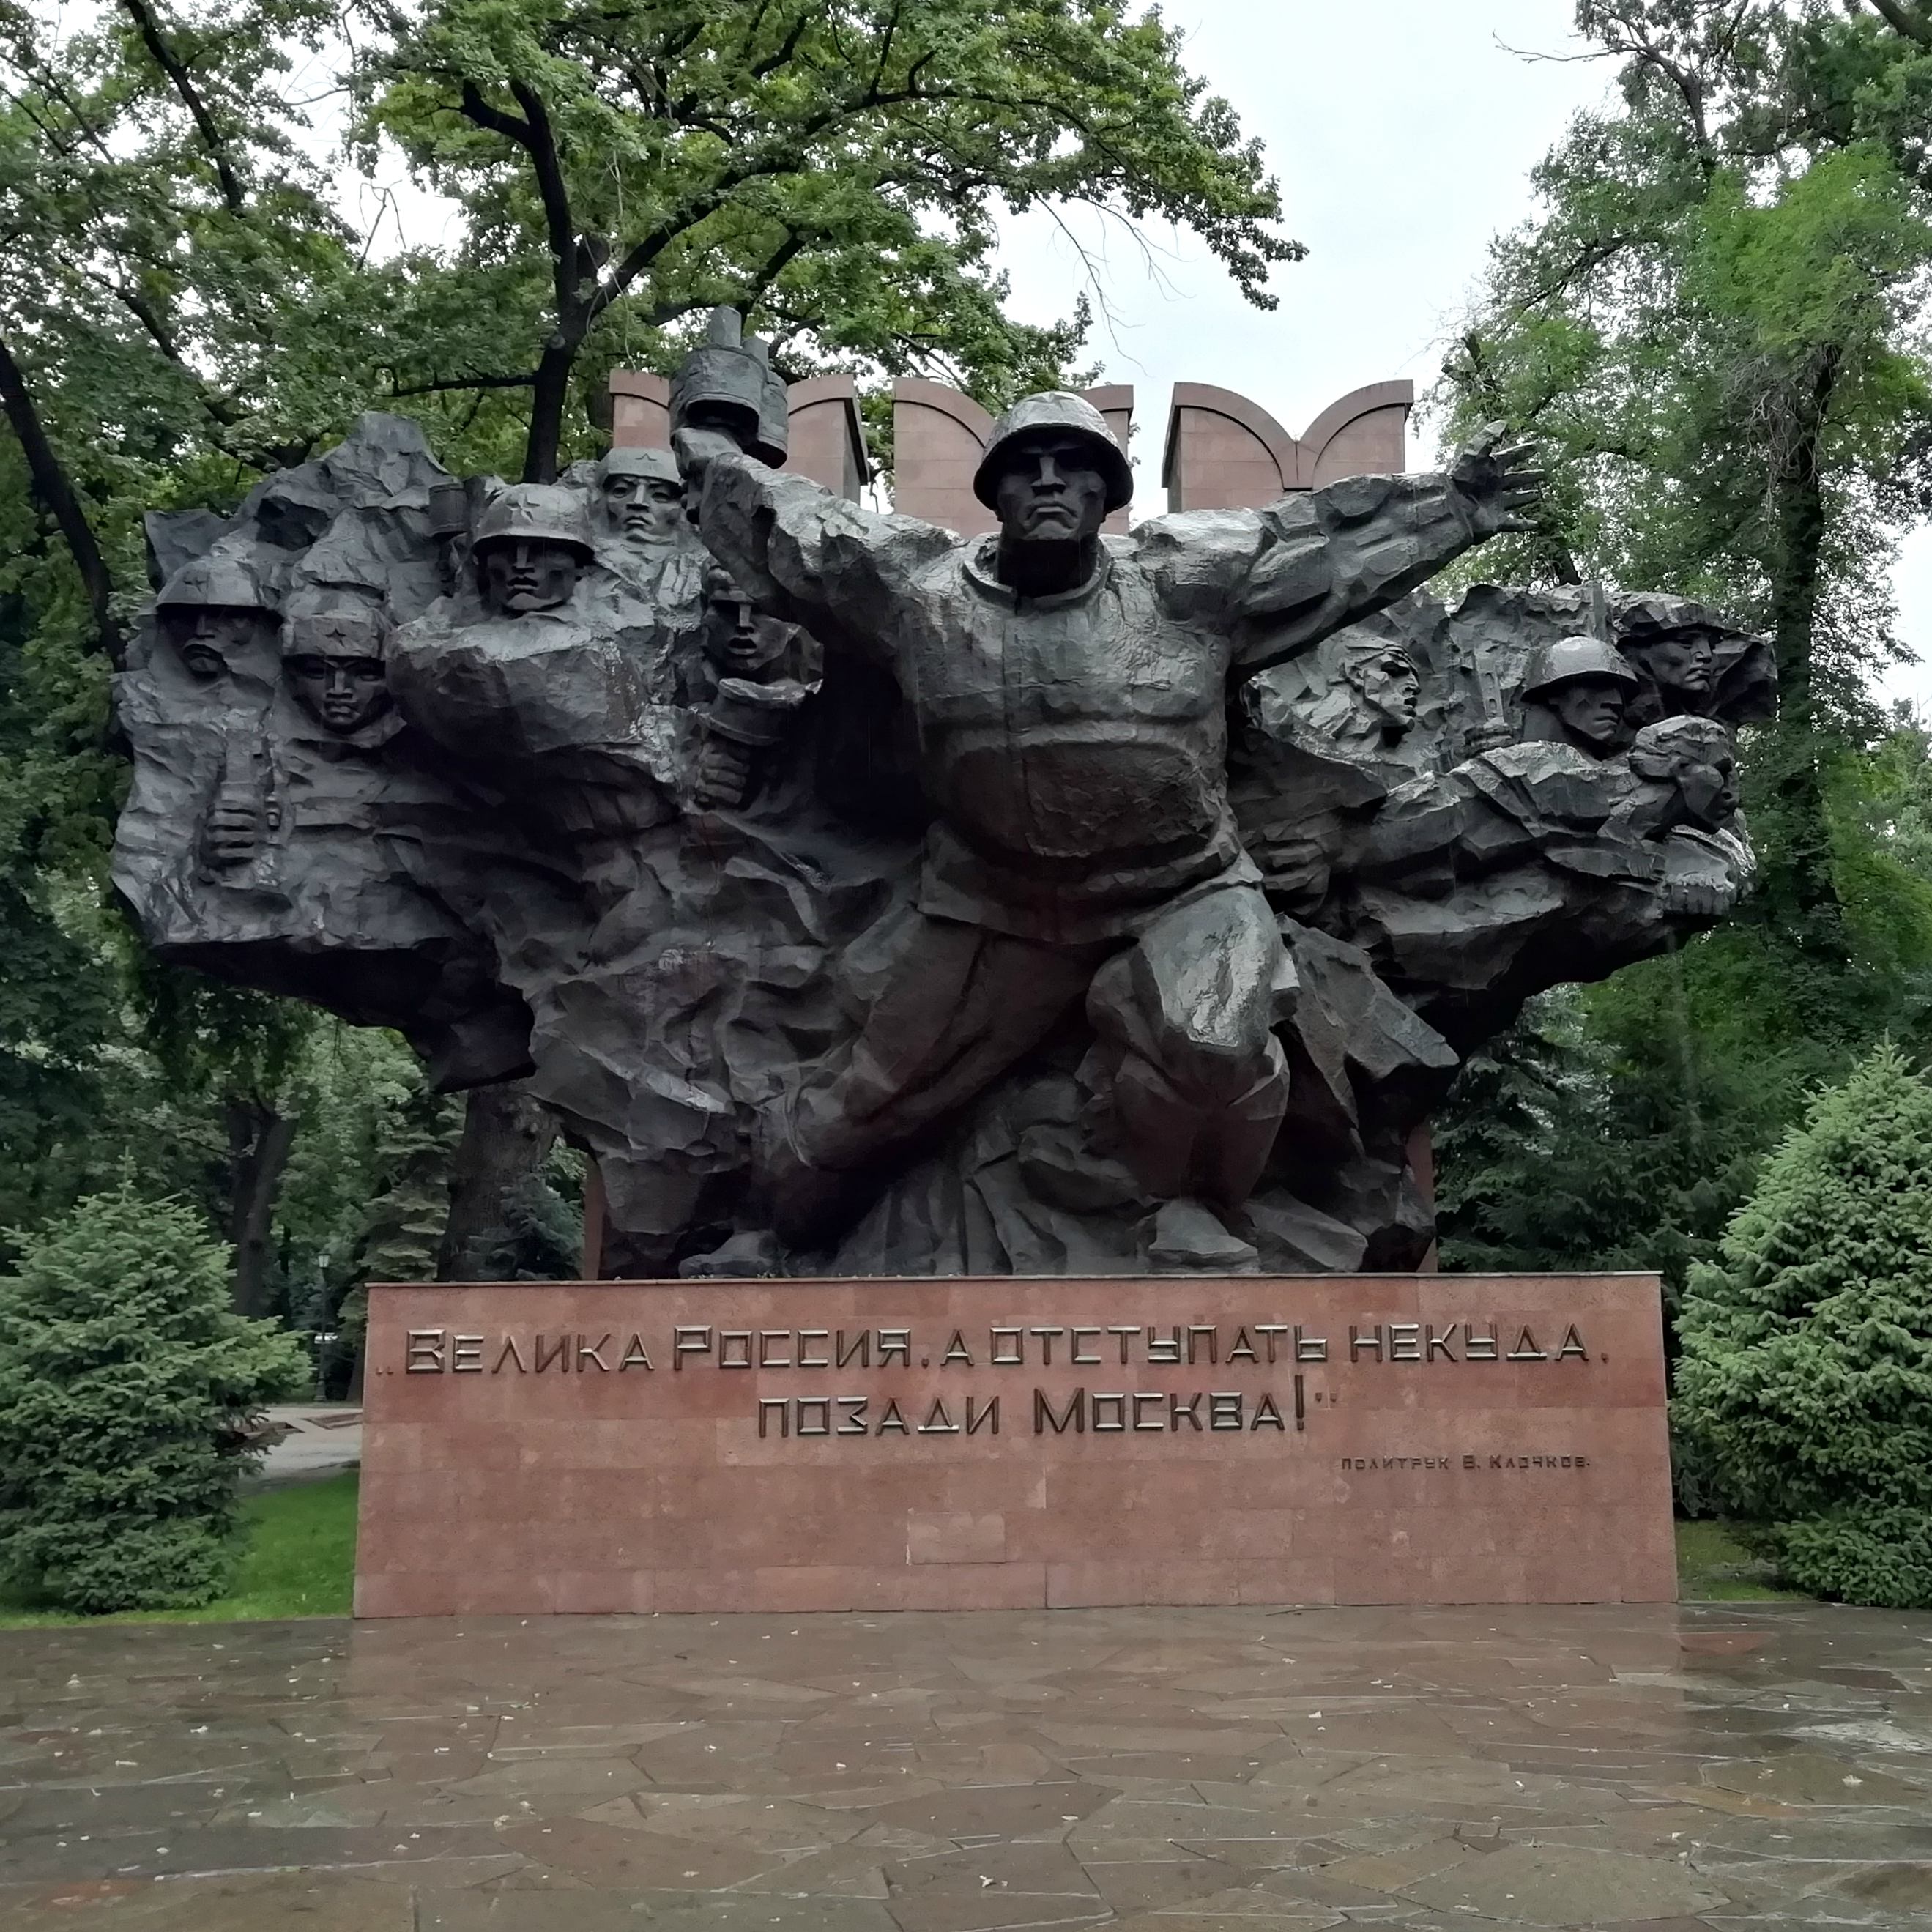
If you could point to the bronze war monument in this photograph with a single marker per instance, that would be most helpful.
(867, 899)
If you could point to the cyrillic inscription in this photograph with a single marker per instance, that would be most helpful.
(1237, 1352)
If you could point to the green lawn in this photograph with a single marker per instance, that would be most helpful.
(301, 1557)
(1714, 1568)
(299, 1560)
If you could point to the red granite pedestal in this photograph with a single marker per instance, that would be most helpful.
(1008, 1443)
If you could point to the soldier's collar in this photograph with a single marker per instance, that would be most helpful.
(981, 565)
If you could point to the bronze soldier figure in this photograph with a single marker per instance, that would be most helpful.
(1069, 694)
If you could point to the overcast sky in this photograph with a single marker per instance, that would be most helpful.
(1402, 132)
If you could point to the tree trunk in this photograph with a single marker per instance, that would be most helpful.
(506, 1135)
(54, 492)
(1799, 892)
(549, 395)
(259, 1142)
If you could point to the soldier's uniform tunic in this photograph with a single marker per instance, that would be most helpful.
(1074, 747)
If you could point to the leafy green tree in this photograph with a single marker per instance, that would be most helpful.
(1714, 324)
(1804, 1389)
(835, 171)
(126, 1384)
(201, 312)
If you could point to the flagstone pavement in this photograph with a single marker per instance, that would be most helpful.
(1736, 1768)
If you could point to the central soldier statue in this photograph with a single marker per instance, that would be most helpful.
(1069, 693)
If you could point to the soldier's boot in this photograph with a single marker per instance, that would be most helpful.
(1180, 1141)
(750, 1254)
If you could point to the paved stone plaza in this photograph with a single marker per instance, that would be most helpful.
(1172, 1771)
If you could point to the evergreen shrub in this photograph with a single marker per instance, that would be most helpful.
(126, 1387)
(1804, 1385)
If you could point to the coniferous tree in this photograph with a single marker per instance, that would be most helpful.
(1805, 1388)
(126, 1385)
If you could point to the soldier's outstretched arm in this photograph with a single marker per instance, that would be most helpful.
(804, 555)
(1329, 557)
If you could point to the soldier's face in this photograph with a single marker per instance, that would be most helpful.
(1685, 662)
(210, 637)
(1051, 491)
(649, 508)
(737, 639)
(341, 691)
(1392, 688)
(1592, 709)
(1710, 790)
(522, 574)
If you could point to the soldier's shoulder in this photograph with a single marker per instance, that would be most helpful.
(1187, 529)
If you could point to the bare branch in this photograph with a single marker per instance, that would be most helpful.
(1550, 60)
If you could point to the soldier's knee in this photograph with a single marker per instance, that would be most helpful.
(1216, 1065)
(1196, 998)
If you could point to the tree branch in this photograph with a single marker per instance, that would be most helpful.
(792, 159)
(1905, 21)
(221, 409)
(788, 46)
(476, 109)
(775, 264)
(531, 132)
(460, 385)
(55, 493)
(540, 145)
(170, 64)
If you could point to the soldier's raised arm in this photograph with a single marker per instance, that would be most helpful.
(1286, 577)
(803, 554)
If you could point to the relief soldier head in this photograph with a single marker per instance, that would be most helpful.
(1576, 693)
(1387, 687)
(333, 662)
(1697, 756)
(532, 544)
(1357, 694)
(641, 496)
(1052, 472)
(215, 611)
(1673, 644)
(739, 640)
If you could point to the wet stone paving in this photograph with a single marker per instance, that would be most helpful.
(1739, 1767)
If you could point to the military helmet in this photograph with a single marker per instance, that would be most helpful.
(222, 583)
(774, 421)
(1645, 619)
(336, 630)
(729, 375)
(1061, 411)
(1570, 658)
(449, 508)
(536, 513)
(659, 466)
